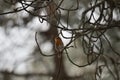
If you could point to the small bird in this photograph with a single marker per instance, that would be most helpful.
(59, 44)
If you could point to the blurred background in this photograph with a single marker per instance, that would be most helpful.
(89, 29)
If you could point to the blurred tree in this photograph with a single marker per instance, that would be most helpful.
(89, 30)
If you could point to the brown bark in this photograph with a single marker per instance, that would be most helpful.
(52, 17)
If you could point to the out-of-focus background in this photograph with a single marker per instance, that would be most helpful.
(89, 29)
